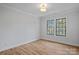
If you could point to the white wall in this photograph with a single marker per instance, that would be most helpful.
(72, 26)
(16, 28)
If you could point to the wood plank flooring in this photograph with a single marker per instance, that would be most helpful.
(42, 47)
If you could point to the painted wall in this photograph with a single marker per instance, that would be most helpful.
(72, 26)
(16, 28)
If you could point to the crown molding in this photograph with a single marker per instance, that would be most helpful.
(20, 11)
(60, 11)
(51, 12)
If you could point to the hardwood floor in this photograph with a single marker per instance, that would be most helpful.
(42, 47)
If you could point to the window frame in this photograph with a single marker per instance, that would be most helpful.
(61, 27)
(50, 33)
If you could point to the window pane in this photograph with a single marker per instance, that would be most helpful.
(61, 27)
(50, 27)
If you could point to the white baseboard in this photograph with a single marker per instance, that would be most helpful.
(76, 45)
(19, 44)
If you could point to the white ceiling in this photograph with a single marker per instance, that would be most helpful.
(33, 8)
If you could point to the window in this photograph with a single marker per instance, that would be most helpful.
(50, 27)
(61, 27)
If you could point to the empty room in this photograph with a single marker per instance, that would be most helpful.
(39, 28)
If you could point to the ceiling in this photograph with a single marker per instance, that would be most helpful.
(33, 8)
